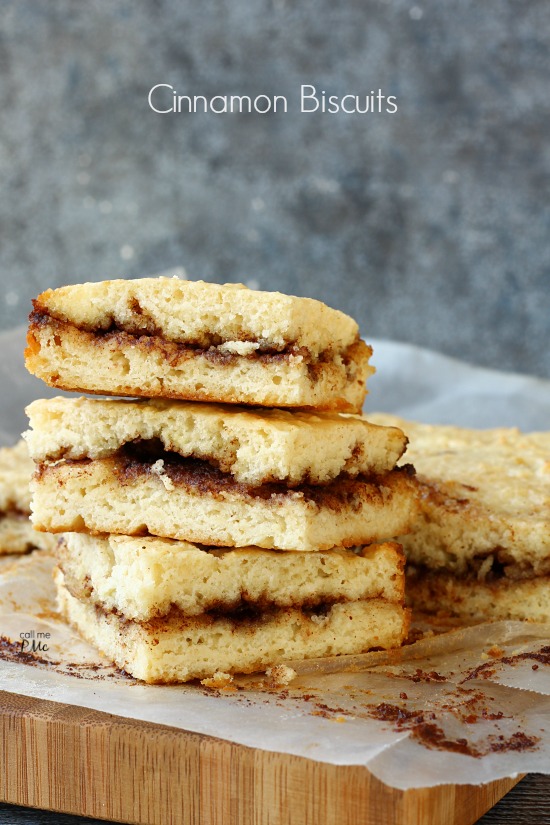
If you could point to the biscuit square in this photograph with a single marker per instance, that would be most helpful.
(480, 546)
(191, 340)
(180, 648)
(17, 534)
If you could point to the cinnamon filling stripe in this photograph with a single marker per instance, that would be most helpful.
(150, 336)
(499, 574)
(241, 617)
(147, 458)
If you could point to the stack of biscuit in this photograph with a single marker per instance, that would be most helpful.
(203, 538)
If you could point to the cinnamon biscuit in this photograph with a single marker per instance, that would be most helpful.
(17, 534)
(164, 337)
(480, 545)
(179, 648)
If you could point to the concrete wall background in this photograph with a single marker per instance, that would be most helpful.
(430, 226)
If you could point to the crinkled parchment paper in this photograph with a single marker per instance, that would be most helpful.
(466, 705)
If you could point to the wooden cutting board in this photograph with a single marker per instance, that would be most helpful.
(65, 758)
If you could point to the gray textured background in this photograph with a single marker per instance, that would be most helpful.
(431, 225)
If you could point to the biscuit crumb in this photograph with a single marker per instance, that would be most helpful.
(280, 675)
(239, 347)
(219, 681)
(158, 469)
(495, 652)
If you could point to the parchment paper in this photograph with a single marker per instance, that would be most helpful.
(468, 705)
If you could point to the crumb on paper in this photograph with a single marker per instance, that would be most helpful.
(158, 469)
(219, 681)
(280, 675)
(495, 652)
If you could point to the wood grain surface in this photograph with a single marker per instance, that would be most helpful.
(70, 759)
(526, 804)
